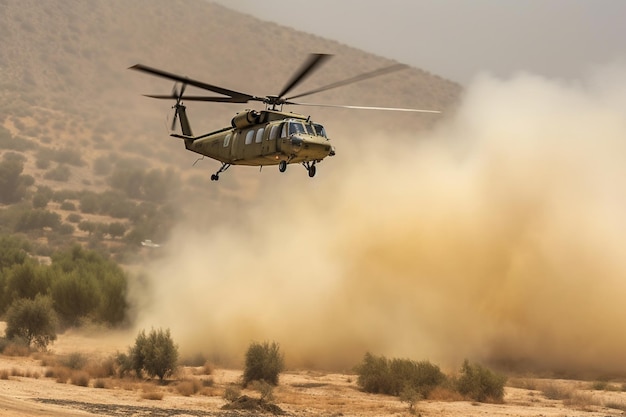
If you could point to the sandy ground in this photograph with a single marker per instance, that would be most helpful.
(26, 391)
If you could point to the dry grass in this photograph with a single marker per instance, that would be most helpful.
(188, 387)
(444, 394)
(4, 374)
(80, 378)
(16, 349)
(150, 392)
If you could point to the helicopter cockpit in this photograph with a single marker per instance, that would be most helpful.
(294, 127)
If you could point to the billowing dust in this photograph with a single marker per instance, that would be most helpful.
(499, 236)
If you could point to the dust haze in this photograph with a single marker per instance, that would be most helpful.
(498, 236)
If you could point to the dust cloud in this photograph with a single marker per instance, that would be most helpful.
(498, 236)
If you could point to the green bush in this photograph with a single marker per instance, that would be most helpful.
(32, 320)
(12, 183)
(156, 354)
(264, 362)
(480, 384)
(37, 219)
(13, 250)
(377, 374)
(60, 173)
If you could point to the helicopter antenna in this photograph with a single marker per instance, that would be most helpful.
(196, 161)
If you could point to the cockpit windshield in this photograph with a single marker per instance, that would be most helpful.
(319, 129)
(295, 128)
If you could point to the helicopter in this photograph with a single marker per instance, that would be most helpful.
(266, 137)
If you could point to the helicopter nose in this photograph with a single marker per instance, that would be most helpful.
(296, 143)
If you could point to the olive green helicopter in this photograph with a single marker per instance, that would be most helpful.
(265, 137)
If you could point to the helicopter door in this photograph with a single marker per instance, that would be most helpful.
(235, 144)
(269, 144)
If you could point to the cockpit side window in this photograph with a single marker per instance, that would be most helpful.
(319, 129)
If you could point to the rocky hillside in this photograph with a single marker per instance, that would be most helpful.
(74, 116)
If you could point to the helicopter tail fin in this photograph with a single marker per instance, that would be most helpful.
(184, 121)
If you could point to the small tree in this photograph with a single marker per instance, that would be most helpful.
(480, 384)
(32, 320)
(264, 362)
(155, 353)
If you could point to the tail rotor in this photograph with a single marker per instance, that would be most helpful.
(178, 96)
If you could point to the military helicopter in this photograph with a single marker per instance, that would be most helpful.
(266, 137)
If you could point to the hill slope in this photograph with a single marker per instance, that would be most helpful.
(65, 91)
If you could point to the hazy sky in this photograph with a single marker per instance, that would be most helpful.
(457, 39)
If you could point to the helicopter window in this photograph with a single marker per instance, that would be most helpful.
(249, 137)
(274, 132)
(310, 130)
(319, 129)
(259, 135)
(227, 140)
(295, 127)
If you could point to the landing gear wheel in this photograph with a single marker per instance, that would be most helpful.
(312, 171)
(282, 166)
(214, 177)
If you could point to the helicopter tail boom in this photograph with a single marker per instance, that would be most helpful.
(185, 127)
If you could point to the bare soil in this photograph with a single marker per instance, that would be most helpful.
(26, 391)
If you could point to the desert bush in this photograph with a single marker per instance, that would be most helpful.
(12, 183)
(60, 173)
(32, 320)
(37, 219)
(74, 218)
(42, 197)
(4, 374)
(79, 378)
(13, 250)
(264, 362)
(66, 156)
(69, 206)
(156, 354)
(266, 390)
(17, 347)
(231, 393)
(556, 391)
(150, 392)
(75, 361)
(188, 387)
(392, 377)
(100, 383)
(480, 384)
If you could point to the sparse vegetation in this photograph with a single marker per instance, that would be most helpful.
(33, 321)
(377, 374)
(480, 383)
(264, 362)
(156, 354)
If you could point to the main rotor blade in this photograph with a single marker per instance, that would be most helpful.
(204, 98)
(309, 66)
(363, 107)
(372, 74)
(240, 97)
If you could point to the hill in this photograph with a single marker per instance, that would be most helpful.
(76, 117)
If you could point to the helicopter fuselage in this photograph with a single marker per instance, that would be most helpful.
(267, 137)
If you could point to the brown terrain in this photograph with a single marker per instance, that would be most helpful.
(445, 248)
(26, 391)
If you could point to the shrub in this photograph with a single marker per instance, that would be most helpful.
(79, 378)
(32, 320)
(264, 362)
(188, 387)
(480, 384)
(69, 206)
(60, 173)
(377, 374)
(231, 393)
(156, 354)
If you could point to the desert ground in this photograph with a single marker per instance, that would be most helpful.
(27, 389)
